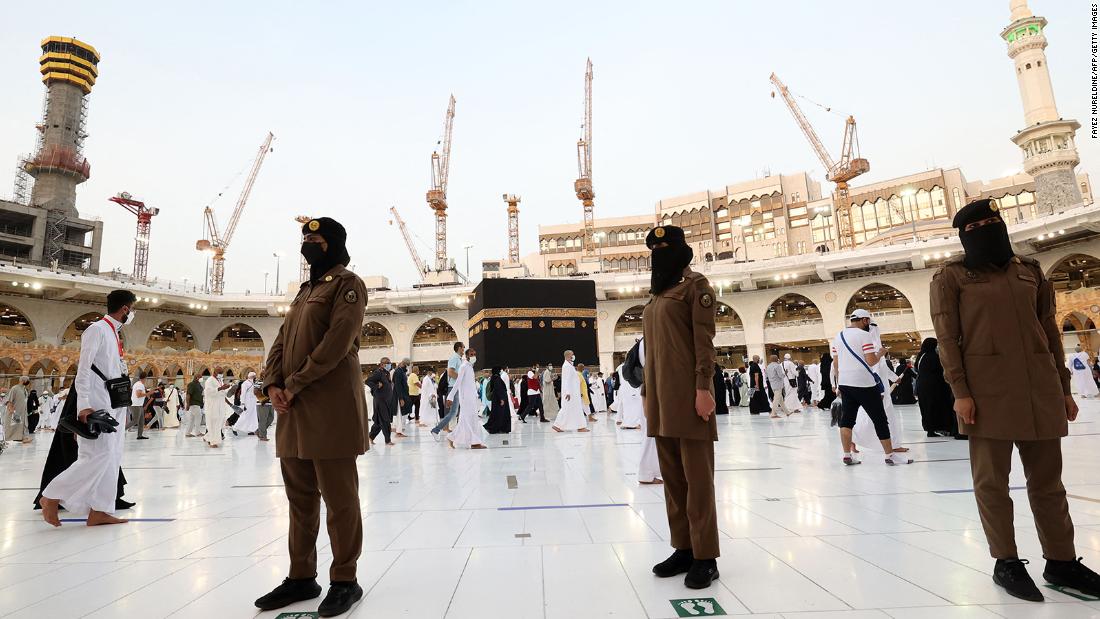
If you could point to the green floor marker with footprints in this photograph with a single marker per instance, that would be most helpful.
(1073, 593)
(697, 607)
(301, 615)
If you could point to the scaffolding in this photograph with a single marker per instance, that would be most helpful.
(54, 252)
(21, 192)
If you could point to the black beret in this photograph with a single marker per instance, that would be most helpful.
(664, 234)
(975, 211)
(326, 227)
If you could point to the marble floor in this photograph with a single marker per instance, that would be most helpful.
(547, 525)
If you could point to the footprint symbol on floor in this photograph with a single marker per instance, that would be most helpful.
(689, 607)
(708, 608)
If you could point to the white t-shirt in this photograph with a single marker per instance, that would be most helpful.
(851, 370)
(137, 396)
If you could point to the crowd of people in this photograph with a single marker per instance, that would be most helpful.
(669, 387)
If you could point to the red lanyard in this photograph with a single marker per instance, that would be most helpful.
(115, 333)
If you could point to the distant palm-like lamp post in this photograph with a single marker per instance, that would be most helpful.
(278, 263)
(908, 194)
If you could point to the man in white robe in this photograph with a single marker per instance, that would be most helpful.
(90, 485)
(1081, 370)
(248, 421)
(631, 410)
(572, 415)
(597, 391)
(649, 467)
(213, 397)
(816, 393)
(468, 433)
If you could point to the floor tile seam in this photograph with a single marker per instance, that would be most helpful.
(65, 540)
(898, 518)
(217, 540)
(622, 566)
(792, 532)
(465, 524)
(450, 600)
(898, 576)
(102, 576)
(584, 524)
(190, 562)
(222, 584)
(646, 521)
(401, 532)
(389, 567)
(933, 552)
(800, 573)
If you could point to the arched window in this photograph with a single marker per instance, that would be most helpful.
(923, 204)
(15, 326)
(939, 203)
(238, 337)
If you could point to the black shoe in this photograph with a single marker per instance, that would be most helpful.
(678, 563)
(123, 504)
(933, 434)
(1072, 574)
(1012, 575)
(143, 438)
(291, 591)
(962, 437)
(702, 573)
(341, 596)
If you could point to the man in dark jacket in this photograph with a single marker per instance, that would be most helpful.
(381, 389)
(401, 391)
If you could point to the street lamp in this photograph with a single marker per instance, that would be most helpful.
(278, 263)
(467, 248)
(266, 274)
(909, 192)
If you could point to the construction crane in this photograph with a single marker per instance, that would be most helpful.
(421, 266)
(437, 195)
(141, 239)
(840, 172)
(583, 184)
(513, 227)
(217, 242)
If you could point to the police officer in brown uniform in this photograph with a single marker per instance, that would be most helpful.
(993, 310)
(679, 403)
(313, 378)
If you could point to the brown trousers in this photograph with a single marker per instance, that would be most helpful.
(990, 464)
(687, 468)
(337, 481)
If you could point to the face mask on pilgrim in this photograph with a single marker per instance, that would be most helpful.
(313, 252)
(129, 316)
(388, 366)
(473, 360)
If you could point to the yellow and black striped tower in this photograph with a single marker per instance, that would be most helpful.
(69, 69)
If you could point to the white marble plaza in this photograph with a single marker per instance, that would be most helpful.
(548, 525)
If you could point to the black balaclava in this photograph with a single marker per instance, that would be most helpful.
(322, 261)
(987, 245)
(668, 264)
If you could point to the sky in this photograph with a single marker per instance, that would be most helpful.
(355, 93)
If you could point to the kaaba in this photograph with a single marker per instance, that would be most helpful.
(517, 323)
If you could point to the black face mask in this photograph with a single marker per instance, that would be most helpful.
(668, 264)
(986, 245)
(313, 252)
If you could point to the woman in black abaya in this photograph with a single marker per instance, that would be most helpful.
(758, 401)
(827, 395)
(500, 416)
(937, 403)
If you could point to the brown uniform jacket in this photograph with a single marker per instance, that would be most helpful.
(315, 358)
(999, 344)
(679, 358)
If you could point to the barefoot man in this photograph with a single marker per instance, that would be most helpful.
(90, 485)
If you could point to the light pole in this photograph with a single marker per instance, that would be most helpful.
(467, 248)
(266, 274)
(278, 264)
(908, 194)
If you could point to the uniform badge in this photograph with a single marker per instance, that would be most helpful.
(314, 225)
(659, 232)
(706, 300)
(328, 278)
(993, 206)
(971, 275)
(351, 296)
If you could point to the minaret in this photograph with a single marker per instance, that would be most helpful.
(1050, 154)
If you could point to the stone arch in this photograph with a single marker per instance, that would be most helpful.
(239, 337)
(15, 325)
(145, 370)
(878, 297)
(1074, 321)
(727, 318)
(77, 326)
(50, 372)
(173, 334)
(630, 321)
(375, 335)
(1074, 271)
(791, 307)
(435, 330)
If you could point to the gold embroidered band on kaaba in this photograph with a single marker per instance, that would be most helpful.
(531, 312)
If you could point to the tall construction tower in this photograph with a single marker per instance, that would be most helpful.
(437, 195)
(144, 227)
(513, 226)
(69, 70)
(583, 184)
(1047, 139)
